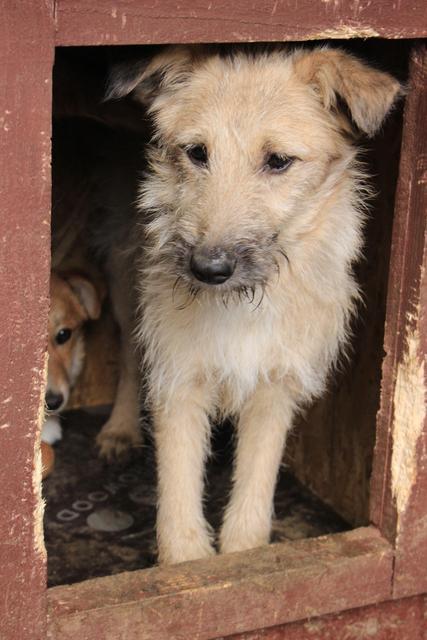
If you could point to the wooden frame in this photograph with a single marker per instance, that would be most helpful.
(399, 481)
(240, 592)
(84, 22)
(229, 593)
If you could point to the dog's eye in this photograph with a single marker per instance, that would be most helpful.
(62, 336)
(198, 154)
(277, 163)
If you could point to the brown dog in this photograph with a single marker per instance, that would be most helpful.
(73, 301)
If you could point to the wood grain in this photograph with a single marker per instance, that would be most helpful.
(227, 594)
(411, 546)
(399, 496)
(26, 31)
(84, 22)
(404, 619)
(409, 411)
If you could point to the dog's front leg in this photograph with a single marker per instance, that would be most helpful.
(122, 431)
(262, 428)
(182, 439)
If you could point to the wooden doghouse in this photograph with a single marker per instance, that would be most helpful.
(368, 582)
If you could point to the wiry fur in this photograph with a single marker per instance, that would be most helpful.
(260, 345)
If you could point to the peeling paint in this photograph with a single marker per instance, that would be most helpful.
(409, 416)
(345, 32)
(37, 470)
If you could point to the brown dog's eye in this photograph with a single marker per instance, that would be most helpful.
(62, 336)
(198, 154)
(277, 163)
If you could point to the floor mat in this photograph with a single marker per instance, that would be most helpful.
(100, 518)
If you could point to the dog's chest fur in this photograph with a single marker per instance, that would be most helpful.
(287, 339)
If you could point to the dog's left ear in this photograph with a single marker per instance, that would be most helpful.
(146, 78)
(87, 295)
(368, 93)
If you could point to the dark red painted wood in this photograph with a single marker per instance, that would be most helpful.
(399, 620)
(399, 481)
(26, 43)
(88, 22)
(411, 543)
(227, 594)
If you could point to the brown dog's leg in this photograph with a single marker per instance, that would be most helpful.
(122, 430)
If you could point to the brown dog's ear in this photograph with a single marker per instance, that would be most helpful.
(86, 295)
(146, 78)
(369, 93)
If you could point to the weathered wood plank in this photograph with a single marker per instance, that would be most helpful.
(399, 482)
(84, 22)
(229, 593)
(409, 455)
(26, 37)
(396, 620)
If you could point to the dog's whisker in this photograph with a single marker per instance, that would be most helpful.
(284, 254)
(175, 285)
(195, 293)
(261, 297)
(186, 304)
(246, 291)
(277, 265)
(190, 299)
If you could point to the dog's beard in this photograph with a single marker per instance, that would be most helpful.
(259, 265)
(226, 295)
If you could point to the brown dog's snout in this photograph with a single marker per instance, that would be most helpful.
(212, 265)
(53, 400)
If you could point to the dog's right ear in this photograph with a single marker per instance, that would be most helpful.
(86, 294)
(147, 78)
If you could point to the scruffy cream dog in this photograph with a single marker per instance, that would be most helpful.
(253, 216)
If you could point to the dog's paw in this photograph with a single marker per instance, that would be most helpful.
(240, 535)
(185, 548)
(115, 441)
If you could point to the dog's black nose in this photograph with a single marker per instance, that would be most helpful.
(212, 265)
(53, 400)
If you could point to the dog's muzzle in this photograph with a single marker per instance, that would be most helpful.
(212, 265)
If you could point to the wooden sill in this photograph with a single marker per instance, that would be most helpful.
(227, 594)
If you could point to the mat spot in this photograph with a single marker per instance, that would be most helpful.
(109, 520)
